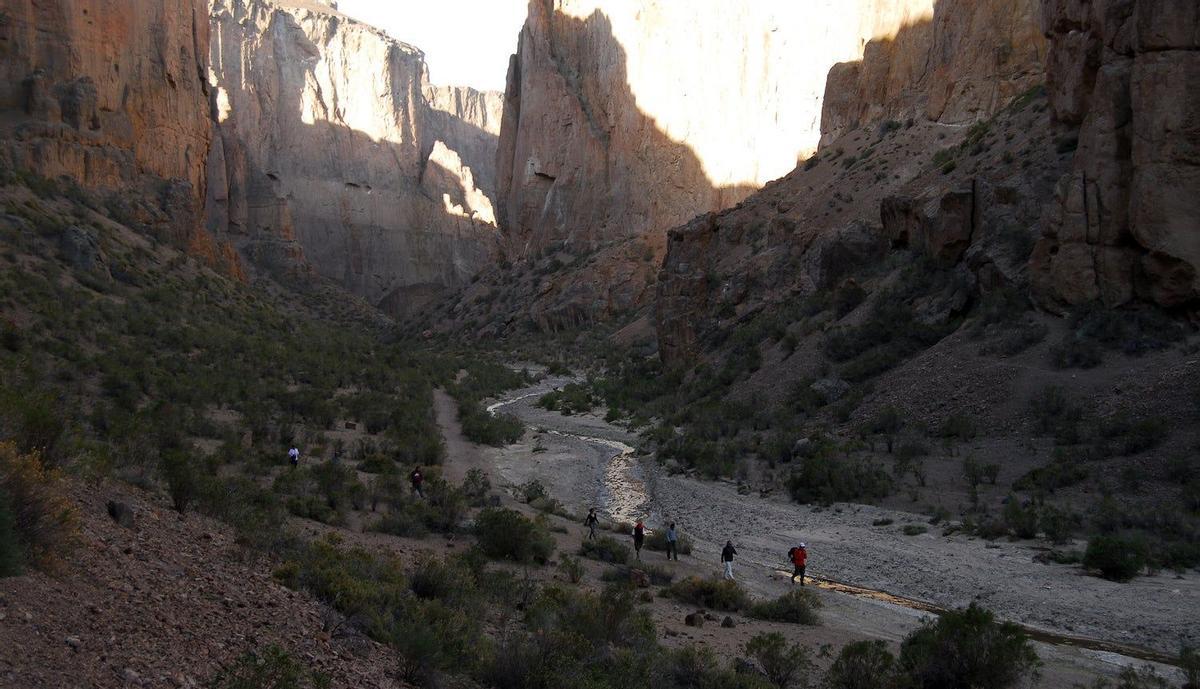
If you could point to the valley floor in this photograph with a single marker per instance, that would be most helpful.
(574, 457)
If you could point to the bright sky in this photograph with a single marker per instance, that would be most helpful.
(466, 42)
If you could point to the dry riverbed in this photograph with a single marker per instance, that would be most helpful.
(583, 461)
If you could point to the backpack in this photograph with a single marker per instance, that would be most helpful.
(791, 553)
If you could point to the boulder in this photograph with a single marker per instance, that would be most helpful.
(121, 513)
(694, 619)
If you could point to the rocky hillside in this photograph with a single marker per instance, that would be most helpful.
(334, 153)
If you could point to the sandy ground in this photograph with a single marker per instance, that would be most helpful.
(574, 457)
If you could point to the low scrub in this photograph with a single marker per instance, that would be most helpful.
(798, 606)
(968, 648)
(41, 523)
(508, 535)
(1116, 557)
(268, 668)
(605, 549)
(709, 593)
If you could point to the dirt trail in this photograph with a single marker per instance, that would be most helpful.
(573, 456)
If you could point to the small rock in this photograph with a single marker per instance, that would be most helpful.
(728, 622)
(132, 677)
(710, 617)
(74, 642)
(694, 620)
(639, 579)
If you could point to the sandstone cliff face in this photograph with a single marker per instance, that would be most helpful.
(624, 118)
(1122, 78)
(961, 66)
(114, 96)
(335, 154)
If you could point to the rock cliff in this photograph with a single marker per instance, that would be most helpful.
(623, 118)
(115, 97)
(961, 66)
(1122, 77)
(334, 153)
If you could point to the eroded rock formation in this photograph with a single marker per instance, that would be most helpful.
(335, 153)
(1123, 79)
(113, 96)
(624, 118)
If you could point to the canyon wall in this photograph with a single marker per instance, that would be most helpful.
(114, 96)
(964, 64)
(623, 118)
(1124, 82)
(335, 154)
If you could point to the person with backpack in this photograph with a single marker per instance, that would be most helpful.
(799, 558)
(727, 554)
(591, 522)
(294, 456)
(417, 482)
(639, 537)
(672, 543)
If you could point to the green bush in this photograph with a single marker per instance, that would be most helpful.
(798, 606)
(1116, 557)
(572, 568)
(605, 549)
(823, 478)
(11, 560)
(43, 519)
(657, 541)
(508, 535)
(270, 668)
(476, 487)
(709, 593)
(967, 648)
(183, 483)
(861, 665)
(1022, 520)
(783, 665)
(1056, 415)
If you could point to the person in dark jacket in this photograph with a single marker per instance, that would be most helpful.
(727, 554)
(418, 482)
(639, 537)
(590, 522)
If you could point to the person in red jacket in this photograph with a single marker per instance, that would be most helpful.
(799, 557)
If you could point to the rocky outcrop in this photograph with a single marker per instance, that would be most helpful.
(624, 118)
(335, 154)
(1122, 78)
(113, 96)
(959, 67)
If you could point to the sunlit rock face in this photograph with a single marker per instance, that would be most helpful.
(112, 95)
(958, 67)
(628, 117)
(1122, 79)
(335, 154)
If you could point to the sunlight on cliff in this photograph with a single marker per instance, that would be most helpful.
(746, 100)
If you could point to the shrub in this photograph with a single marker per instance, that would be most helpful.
(709, 593)
(476, 487)
(43, 521)
(1056, 415)
(657, 541)
(914, 529)
(183, 485)
(861, 665)
(1022, 520)
(508, 535)
(825, 479)
(572, 568)
(605, 549)
(967, 648)
(10, 548)
(783, 665)
(1116, 557)
(270, 668)
(798, 606)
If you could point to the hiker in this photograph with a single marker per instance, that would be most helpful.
(727, 554)
(799, 558)
(591, 522)
(294, 456)
(639, 537)
(672, 543)
(417, 479)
